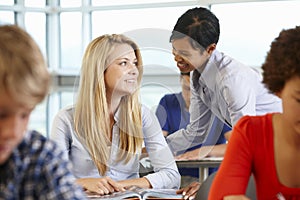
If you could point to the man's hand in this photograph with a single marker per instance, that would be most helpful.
(190, 155)
(204, 151)
(196, 154)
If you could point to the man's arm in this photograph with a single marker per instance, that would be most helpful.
(204, 151)
(198, 128)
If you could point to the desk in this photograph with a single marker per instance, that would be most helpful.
(202, 165)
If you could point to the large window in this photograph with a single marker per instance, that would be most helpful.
(63, 28)
(247, 29)
(6, 17)
(71, 39)
(33, 20)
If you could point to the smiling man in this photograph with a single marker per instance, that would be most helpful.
(220, 85)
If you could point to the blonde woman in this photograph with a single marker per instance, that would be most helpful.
(103, 133)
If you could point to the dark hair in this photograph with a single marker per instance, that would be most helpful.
(283, 60)
(200, 24)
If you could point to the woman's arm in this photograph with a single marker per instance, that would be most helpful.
(61, 131)
(141, 182)
(63, 134)
(165, 174)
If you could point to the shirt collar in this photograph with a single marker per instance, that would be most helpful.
(211, 72)
(117, 115)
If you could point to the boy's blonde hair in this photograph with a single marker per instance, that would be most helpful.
(23, 72)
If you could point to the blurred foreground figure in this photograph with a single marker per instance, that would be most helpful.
(31, 167)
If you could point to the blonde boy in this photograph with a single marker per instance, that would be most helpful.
(31, 167)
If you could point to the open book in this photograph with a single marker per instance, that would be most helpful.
(135, 192)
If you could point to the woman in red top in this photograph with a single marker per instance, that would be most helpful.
(268, 146)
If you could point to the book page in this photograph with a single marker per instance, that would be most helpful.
(135, 192)
(115, 195)
(160, 194)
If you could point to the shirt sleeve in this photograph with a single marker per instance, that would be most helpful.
(61, 132)
(166, 173)
(239, 93)
(235, 169)
(197, 130)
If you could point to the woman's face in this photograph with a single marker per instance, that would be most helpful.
(290, 96)
(122, 73)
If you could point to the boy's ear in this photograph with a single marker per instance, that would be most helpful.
(211, 48)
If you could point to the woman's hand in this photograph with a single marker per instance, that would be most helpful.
(190, 191)
(236, 197)
(102, 186)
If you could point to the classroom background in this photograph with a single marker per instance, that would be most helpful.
(63, 28)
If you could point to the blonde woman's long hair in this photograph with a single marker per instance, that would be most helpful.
(91, 115)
